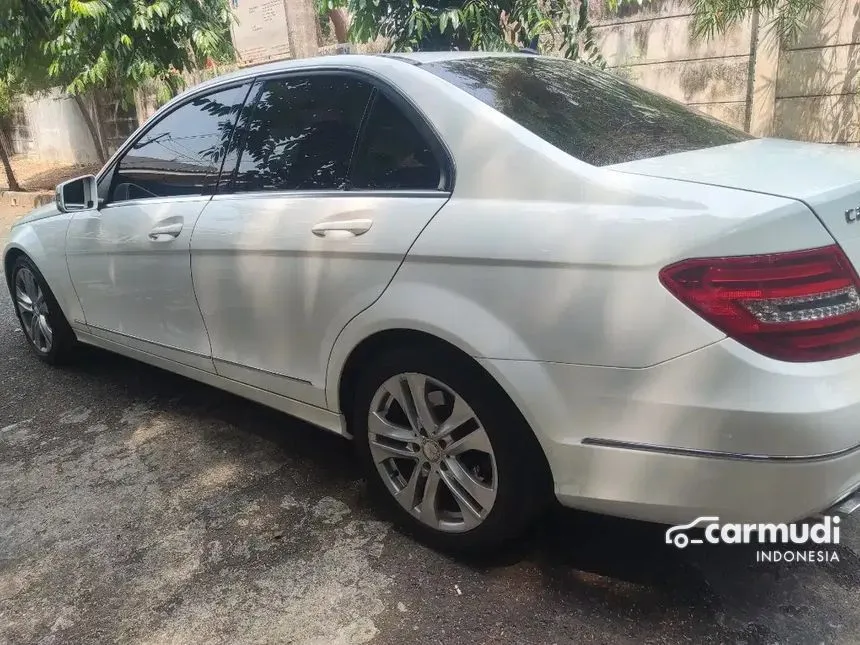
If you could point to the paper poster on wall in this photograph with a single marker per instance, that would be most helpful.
(260, 30)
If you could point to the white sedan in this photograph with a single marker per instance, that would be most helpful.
(507, 277)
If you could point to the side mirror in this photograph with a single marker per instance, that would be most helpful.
(77, 194)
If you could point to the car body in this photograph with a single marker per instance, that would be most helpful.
(559, 276)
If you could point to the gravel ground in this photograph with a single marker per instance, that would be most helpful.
(140, 507)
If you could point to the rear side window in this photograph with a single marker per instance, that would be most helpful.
(393, 154)
(300, 134)
(590, 114)
(181, 154)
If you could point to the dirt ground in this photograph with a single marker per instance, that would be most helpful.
(38, 174)
(8, 215)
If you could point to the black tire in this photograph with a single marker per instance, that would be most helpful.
(524, 486)
(63, 341)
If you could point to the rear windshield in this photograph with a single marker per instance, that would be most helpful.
(590, 114)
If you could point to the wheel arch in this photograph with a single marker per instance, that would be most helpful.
(42, 242)
(392, 338)
(9, 259)
(375, 343)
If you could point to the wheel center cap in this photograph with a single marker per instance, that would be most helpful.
(432, 451)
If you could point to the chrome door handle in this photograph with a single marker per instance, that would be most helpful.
(352, 226)
(166, 232)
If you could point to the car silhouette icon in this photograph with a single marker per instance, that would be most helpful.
(680, 539)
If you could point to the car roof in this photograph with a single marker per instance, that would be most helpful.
(352, 60)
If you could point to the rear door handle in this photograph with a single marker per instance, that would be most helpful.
(166, 232)
(349, 226)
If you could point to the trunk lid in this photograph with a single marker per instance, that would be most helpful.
(824, 177)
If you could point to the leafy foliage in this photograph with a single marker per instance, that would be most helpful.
(475, 24)
(89, 44)
(411, 25)
(788, 16)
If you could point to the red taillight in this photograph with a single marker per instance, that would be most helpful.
(801, 306)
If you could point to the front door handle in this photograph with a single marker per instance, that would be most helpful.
(344, 226)
(166, 232)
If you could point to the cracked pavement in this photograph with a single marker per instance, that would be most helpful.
(137, 506)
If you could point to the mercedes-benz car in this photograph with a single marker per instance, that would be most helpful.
(507, 278)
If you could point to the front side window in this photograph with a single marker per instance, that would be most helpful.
(181, 154)
(393, 154)
(590, 114)
(300, 134)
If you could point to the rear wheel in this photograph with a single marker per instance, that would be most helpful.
(46, 329)
(446, 451)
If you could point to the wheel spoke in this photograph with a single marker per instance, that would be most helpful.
(407, 495)
(34, 328)
(460, 413)
(459, 480)
(379, 425)
(427, 510)
(24, 302)
(40, 298)
(382, 451)
(417, 385)
(29, 284)
(46, 332)
(388, 440)
(399, 391)
(477, 439)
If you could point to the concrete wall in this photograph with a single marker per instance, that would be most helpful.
(51, 127)
(654, 47)
(806, 90)
(819, 76)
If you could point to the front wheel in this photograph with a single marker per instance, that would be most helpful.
(48, 334)
(446, 451)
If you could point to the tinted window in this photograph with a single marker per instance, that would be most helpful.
(301, 134)
(392, 153)
(592, 115)
(181, 154)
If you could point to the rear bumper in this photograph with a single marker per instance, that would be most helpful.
(721, 431)
(676, 489)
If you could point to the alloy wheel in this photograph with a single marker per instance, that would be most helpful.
(33, 308)
(432, 452)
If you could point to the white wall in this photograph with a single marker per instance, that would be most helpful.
(56, 130)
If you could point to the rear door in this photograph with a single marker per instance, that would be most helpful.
(334, 178)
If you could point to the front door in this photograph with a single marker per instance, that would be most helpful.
(130, 261)
(312, 226)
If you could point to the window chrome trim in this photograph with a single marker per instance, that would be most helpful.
(714, 454)
(310, 194)
(156, 200)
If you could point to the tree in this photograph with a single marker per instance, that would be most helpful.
(7, 97)
(337, 12)
(88, 45)
(476, 24)
(511, 24)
